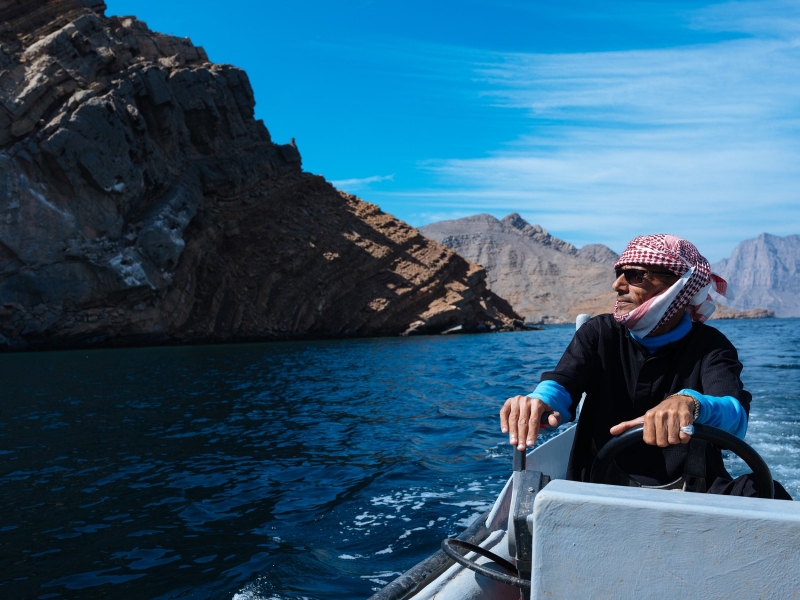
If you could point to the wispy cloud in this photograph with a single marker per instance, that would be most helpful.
(424, 217)
(360, 184)
(771, 18)
(701, 141)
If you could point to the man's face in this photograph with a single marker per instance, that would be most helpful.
(654, 279)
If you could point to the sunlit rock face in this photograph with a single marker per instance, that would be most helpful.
(141, 202)
(764, 272)
(546, 279)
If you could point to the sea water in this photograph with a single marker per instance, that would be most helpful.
(284, 470)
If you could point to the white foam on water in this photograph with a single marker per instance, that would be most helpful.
(777, 450)
(466, 522)
(496, 452)
(412, 498)
(382, 578)
(389, 510)
(408, 532)
(248, 594)
(475, 503)
(435, 494)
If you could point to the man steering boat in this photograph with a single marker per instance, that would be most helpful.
(653, 362)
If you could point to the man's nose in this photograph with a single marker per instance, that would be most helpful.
(620, 284)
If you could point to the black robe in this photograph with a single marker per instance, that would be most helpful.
(623, 380)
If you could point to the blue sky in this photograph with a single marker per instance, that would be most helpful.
(597, 120)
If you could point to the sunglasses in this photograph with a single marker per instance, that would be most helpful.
(636, 276)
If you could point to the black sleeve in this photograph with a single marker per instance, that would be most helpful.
(577, 363)
(721, 373)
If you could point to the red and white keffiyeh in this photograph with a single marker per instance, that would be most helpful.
(691, 290)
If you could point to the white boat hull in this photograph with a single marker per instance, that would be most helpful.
(601, 541)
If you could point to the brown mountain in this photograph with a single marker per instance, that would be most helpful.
(765, 273)
(141, 202)
(544, 278)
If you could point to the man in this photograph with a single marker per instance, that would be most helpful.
(652, 362)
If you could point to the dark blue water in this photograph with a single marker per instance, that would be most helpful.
(292, 470)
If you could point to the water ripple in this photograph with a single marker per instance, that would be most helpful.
(284, 471)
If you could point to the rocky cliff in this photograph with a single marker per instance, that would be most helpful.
(544, 278)
(141, 202)
(765, 273)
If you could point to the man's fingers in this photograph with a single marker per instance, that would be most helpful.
(662, 425)
(674, 428)
(549, 418)
(684, 420)
(524, 426)
(531, 431)
(625, 425)
(660, 430)
(521, 416)
(504, 412)
(513, 418)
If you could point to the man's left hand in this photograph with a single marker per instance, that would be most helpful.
(662, 423)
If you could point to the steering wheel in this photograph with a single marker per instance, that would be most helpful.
(511, 575)
(605, 470)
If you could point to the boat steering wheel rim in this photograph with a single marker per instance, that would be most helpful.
(512, 578)
(605, 460)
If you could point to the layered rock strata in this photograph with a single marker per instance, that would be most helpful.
(141, 203)
(547, 280)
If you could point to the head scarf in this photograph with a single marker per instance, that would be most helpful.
(692, 289)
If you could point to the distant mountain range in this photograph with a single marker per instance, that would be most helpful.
(544, 278)
(765, 273)
(548, 280)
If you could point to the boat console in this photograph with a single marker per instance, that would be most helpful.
(569, 539)
(603, 541)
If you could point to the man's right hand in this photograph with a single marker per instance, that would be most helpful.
(520, 411)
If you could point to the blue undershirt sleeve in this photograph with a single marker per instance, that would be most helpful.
(722, 412)
(555, 396)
